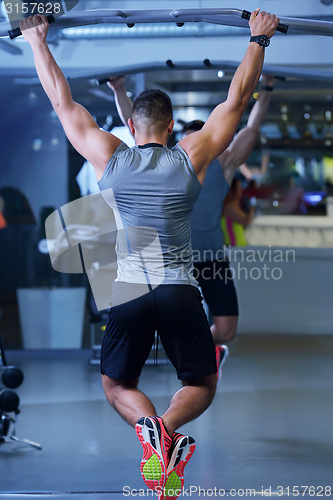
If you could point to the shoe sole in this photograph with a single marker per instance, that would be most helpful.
(181, 454)
(152, 463)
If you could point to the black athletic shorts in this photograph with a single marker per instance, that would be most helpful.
(217, 285)
(177, 314)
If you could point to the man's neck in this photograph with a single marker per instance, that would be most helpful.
(141, 140)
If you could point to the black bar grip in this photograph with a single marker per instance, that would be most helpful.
(102, 81)
(106, 79)
(17, 32)
(281, 27)
(170, 63)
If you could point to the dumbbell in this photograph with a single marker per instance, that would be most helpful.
(9, 401)
(11, 377)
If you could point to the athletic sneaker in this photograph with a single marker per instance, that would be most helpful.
(222, 352)
(156, 443)
(181, 450)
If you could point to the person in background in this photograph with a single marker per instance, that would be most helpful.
(293, 202)
(210, 265)
(3, 222)
(15, 208)
(17, 242)
(234, 219)
(256, 173)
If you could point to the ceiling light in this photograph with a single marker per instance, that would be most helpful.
(37, 144)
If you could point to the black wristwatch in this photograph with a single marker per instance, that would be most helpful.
(262, 40)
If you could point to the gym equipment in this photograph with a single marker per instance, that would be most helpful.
(280, 72)
(8, 431)
(12, 378)
(9, 401)
(232, 17)
(17, 32)
(229, 17)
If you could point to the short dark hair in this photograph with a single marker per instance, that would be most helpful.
(152, 108)
(194, 125)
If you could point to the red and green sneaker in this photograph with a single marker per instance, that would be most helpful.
(156, 443)
(181, 450)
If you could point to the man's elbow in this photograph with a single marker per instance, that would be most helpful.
(56, 106)
(61, 107)
(239, 100)
(236, 103)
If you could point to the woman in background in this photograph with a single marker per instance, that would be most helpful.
(234, 219)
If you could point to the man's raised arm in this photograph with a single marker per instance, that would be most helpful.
(124, 104)
(217, 133)
(96, 145)
(244, 142)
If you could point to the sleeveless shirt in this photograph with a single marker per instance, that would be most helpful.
(154, 189)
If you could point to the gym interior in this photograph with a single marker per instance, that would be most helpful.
(269, 430)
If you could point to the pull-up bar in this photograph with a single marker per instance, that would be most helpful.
(230, 17)
(282, 72)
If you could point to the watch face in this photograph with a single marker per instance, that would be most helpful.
(264, 41)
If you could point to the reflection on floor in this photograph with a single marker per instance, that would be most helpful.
(269, 426)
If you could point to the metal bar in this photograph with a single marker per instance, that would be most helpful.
(202, 12)
(131, 17)
(308, 26)
(28, 77)
(220, 12)
(230, 17)
(269, 69)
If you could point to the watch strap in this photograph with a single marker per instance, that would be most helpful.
(262, 40)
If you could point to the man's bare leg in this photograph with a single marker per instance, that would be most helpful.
(189, 402)
(224, 329)
(127, 400)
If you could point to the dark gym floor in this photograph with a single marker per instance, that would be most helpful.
(269, 427)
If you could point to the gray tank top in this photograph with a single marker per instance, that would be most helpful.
(207, 237)
(154, 191)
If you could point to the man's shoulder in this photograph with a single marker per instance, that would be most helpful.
(121, 148)
(178, 151)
